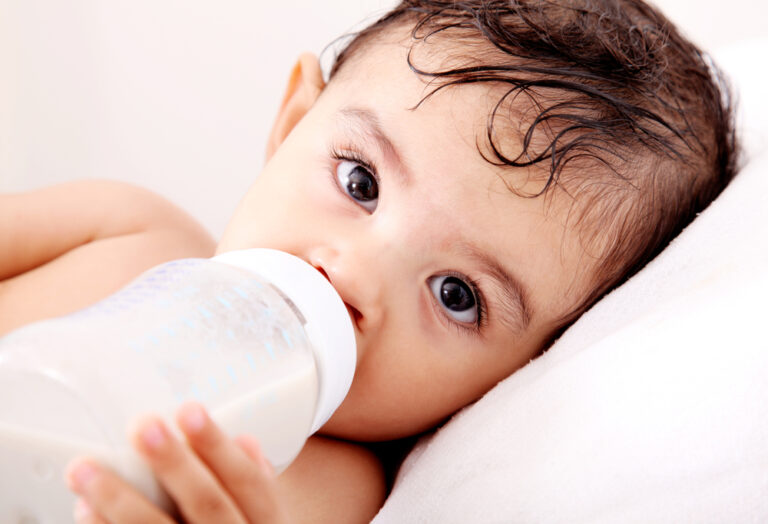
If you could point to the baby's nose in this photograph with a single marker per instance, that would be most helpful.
(354, 281)
(323, 259)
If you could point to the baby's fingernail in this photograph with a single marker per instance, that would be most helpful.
(193, 418)
(267, 467)
(82, 510)
(250, 445)
(79, 475)
(153, 435)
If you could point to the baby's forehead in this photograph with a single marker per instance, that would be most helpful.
(480, 118)
(432, 73)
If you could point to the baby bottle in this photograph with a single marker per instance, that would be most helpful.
(257, 336)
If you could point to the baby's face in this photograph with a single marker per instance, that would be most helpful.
(453, 282)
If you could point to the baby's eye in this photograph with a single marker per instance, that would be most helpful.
(457, 298)
(359, 183)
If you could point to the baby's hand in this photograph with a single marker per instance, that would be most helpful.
(211, 478)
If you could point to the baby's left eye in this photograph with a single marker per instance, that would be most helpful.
(456, 297)
(359, 183)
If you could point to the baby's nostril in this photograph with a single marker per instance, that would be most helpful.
(321, 270)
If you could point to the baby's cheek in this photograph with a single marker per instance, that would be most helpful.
(384, 410)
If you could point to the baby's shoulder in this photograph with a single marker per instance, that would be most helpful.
(329, 475)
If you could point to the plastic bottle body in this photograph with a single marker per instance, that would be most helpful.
(192, 329)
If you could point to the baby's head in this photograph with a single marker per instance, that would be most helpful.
(609, 104)
(476, 174)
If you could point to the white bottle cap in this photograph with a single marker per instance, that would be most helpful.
(328, 327)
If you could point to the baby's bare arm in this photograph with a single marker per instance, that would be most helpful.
(332, 481)
(66, 246)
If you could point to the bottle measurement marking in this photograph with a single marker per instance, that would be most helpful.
(224, 302)
(205, 312)
(240, 292)
(232, 373)
(286, 337)
(270, 349)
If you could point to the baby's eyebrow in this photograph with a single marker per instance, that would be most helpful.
(367, 122)
(513, 300)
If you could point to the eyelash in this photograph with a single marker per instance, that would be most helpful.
(352, 154)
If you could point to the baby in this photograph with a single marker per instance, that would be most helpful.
(471, 178)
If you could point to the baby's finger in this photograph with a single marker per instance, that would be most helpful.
(252, 448)
(198, 494)
(108, 498)
(84, 514)
(251, 483)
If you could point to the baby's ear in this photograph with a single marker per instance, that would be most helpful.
(304, 86)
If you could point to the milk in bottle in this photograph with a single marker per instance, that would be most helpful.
(258, 336)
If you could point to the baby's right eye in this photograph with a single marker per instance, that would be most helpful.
(359, 183)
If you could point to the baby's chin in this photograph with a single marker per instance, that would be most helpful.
(346, 424)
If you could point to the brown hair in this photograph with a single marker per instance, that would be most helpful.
(639, 115)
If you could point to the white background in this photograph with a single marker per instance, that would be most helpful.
(179, 95)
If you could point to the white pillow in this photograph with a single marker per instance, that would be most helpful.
(653, 407)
